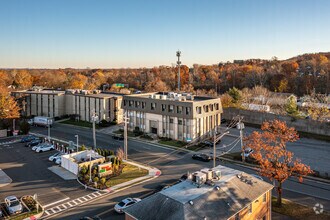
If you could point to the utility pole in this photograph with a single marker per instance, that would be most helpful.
(90, 165)
(125, 134)
(241, 127)
(178, 54)
(215, 140)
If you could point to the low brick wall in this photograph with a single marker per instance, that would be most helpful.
(302, 125)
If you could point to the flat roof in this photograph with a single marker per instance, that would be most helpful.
(41, 91)
(196, 98)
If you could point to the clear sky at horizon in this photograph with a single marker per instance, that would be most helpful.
(147, 33)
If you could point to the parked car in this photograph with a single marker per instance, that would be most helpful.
(125, 203)
(55, 156)
(118, 137)
(44, 148)
(13, 205)
(257, 176)
(58, 160)
(202, 157)
(28, 138)
(33, 143)
(39, 145)
(247, 152)
(208, 143)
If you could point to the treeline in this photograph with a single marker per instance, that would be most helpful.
(299, 75)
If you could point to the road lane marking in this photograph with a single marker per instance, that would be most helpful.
(90, 197)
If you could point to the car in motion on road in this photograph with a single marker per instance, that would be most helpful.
(202, 157)
(118, 137)
(44, 148)
(125, 203)
(33, 143)
(13, 205)
(28, 138)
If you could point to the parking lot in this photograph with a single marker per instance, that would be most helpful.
(30, 175)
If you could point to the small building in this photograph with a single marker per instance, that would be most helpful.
(218, 193)
(74, 161)
(179, 116)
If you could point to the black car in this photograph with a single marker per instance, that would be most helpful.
(33, 143)
(28, 138)
(118, 137)
(202, 157)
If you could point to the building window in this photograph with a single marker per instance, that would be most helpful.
(206, 108)
(153, 106)
(216, 106)
(211, 107)
(264, 197)
(250, 208)
(137, 104)
(171, 108)
(179, 109)
(237, 216)
(188, 110)
(180, 122)
(124, 102)
(130, 103)
(163, 107)
(199, 110)
(143, 104)
(171, 120)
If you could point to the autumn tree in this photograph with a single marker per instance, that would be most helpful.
(270, 152)
(23, 79)
(9, 108)
(6, 79)
(156, 85)
(318, 111)
(77, 81)
(291, 106)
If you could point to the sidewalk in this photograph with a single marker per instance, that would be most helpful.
(4, 179)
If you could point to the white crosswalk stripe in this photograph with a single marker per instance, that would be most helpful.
(72, 203)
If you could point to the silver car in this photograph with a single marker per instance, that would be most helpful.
(13, 205)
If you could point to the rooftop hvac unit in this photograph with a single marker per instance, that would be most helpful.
(157, 96)
(164, 97)
(199, 177)
(216, 174)
(183, 98)
(208, 172)
(152, 96)
(190, 97)
(171, 94)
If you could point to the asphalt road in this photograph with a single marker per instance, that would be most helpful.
(172, 164)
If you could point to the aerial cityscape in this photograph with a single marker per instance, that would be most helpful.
(165, 110)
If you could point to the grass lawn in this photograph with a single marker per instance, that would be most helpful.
(172, 143)
(297, 211)
(80, 123)
(129, 172)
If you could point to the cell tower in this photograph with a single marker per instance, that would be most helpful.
(178, 54)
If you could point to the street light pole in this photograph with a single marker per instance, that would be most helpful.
(94, 117)
(178, 54)
(241, 127)
(77, 137)
(48, 123)
(125, 134)
(90, 166)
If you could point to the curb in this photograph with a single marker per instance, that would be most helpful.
(37, 216)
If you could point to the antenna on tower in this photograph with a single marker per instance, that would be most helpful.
(178, 54)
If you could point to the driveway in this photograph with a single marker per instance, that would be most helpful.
(30, 175)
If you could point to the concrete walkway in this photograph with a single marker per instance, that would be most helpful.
(4, 179)
(63, 173)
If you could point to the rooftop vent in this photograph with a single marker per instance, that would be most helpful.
(191, 202)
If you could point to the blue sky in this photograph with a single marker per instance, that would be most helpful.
(147, 33)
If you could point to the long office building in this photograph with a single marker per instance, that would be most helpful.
(79, 103)
(179, 116)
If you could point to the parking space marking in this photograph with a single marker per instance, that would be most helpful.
(74, 202)
(50, 204)
(84, 199)
(52, 209)
(70, 204)
(47, 212)
(90, 197)
(79, 200)
(64, 207)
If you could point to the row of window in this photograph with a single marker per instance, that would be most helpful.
(264, 197)
(207, 108)
(153, 106)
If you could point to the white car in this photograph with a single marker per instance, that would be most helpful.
(13, 205)
(39, 145)
(55, 156)
(126, 203)
(44, 148)
(58, 160)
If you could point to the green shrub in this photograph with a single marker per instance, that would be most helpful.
(95, 179)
